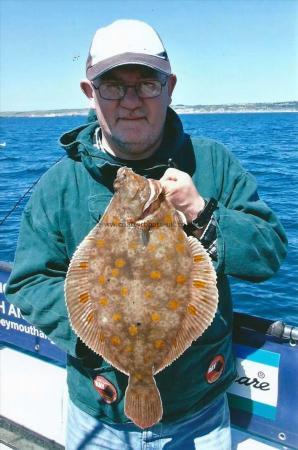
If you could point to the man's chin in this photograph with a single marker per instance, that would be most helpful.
(135, 144)
(133, 147)
(133, 136)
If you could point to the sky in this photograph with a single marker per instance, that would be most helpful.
(222, 51)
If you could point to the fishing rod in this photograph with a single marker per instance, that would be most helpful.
(26, 193)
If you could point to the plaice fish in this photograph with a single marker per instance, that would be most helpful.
(139, 291)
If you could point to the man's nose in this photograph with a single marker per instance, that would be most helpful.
(131, 98)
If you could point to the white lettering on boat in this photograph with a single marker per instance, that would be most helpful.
(2, 287)
(2, 307)
(22, 328)
(14, 311)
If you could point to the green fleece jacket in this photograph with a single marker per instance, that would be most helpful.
(67, 203)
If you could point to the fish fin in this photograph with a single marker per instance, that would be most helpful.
(155, 191)
(202, 305)
(81, 310)
(181, 218)
(143, 403)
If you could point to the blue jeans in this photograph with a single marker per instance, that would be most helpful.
(208, 429)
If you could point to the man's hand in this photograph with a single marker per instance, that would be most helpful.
(182, 193)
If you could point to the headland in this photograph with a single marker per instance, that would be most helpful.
(291, 106)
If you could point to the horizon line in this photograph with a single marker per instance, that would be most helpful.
(173, 106)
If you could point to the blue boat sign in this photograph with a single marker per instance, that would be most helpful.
(16, 331)
(264, 397)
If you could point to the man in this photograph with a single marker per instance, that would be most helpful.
(130, 83)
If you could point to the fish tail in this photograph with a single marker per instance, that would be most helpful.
(143, 403)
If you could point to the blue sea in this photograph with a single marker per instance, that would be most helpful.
(265, 143)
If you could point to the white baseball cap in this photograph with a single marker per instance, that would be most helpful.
(126, 42)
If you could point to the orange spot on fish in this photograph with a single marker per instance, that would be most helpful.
(161, 236)
(138, 376)
(155, 317)
(128, 349)
(133, 330)
(168, 219)
(101, 279)
(180, 279)
(120, 262)
(173, 304)
(100, 243)
(90, 317)
(83, 298)
(83, 265)
(101, 337)
(103, 301)
(116, 220)
(115, 340)
(175, 343)
(198, 258)
(148, 295)
(180, 236)
(191, 309)
(116, 316)
(155, 275)
(151, 247)
(124, 291)
(180, 248)
(159, 344)
(199, 283)
(115, 272)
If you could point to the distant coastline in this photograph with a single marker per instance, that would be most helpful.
(180, 109)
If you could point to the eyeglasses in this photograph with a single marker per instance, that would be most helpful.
(110, 90)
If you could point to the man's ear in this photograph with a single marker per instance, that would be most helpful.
(172, 80)
(88, 91)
